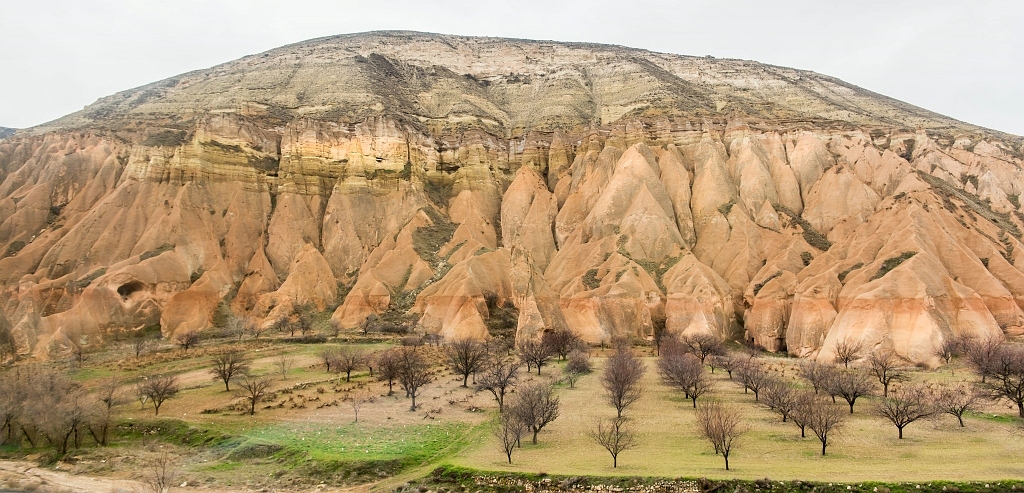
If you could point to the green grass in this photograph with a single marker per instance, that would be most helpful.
(413, 444)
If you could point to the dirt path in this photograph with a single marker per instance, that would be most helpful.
(20, 476)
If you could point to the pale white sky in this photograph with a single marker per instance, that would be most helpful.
(961, 58)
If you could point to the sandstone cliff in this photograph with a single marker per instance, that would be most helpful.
(450, 181)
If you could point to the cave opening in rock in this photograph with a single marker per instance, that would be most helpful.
(126, 290)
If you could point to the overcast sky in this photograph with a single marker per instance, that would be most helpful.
(961, 58)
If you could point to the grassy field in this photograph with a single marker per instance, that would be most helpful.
(305, 432)
(989, 447)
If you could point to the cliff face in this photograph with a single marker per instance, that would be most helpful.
(447, 179)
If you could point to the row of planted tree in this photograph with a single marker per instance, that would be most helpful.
(40, 405)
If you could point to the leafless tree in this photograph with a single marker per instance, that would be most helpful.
(825, 420)
(536, 406)
(957, 400)
(108, 395)
(465, 357)
(388, 366)
(356, 400)
(562, 342)
(753, 377)
(349, 359)
(55, 409)
(577, 364)
(229, 365)
(187, 340)
(848, 350)
(413, 372)
(621, 378)
(720, 425)
(780, 397)
(703, 345)
(684, 372)
(139, 344)
(948, 349)
(803, 405)
(816, 374)
(257, 329)
(1006, 372)
(162, 473)
(614, 436)
(159, 388)
(509, 431)
(283, 364)
(534, 353)
(498, 376)
(907, 404)
(850, 385)
(727, 362)
(328, 355)
(885, 366)
(253, 389)
(236, 327)
(981, 354)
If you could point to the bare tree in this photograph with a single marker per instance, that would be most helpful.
(577, 364)
(158, 389)
(684, 372)
(614, 436)
(229, 365)
(328, 356)
(816, 374)
(388, 366)
(349, 360)
(727, 362)
(497, 377)
(720, 425)
(253, 389)
(825, 420)
(162, 473)
(907, 404)
(753, 377)
(562, 342)
(413, 372)
(947, 349)
(356, 400)
(956, 400)
(851, 385)
(283, 364)
(885, 366)
(803, 405)
(187, 340)
(139, 344)
(534, 353)
(780, 397)
(621, 378)
(848, 350)
(465, 357)
(108, 395)
(509, 431)
(236, 327)
(536, 406)
(703, 345)
(981, 354)
(257, 329)
(1006, 369)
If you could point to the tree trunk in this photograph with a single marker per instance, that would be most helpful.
(726, 455)
(961, 419)
(413, 408)
(1020, 408)
(823, 448)
(695, 403)
(465, 380)
(900, 428)
(535, 432)
(615, 461)
(851, 407)
(348, 376)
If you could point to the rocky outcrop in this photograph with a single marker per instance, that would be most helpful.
(467, 186)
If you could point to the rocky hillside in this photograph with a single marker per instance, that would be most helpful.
(468, 186)
(6, 132)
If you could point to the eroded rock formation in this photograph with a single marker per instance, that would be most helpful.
(596, 188)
